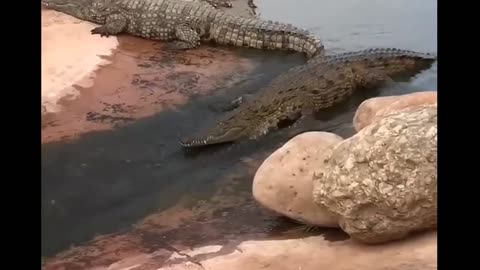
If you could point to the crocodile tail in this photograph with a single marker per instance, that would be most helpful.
(394, 61)
(302, 40)
(382, 53)
(390, 61)
(262, 34)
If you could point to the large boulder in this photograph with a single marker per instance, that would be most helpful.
(376, 107)
(382, 182)
(283, 183)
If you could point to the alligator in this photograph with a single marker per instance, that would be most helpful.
(187, 24)
(320, 83)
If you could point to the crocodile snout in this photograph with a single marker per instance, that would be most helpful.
(192, 143)
(216, 136)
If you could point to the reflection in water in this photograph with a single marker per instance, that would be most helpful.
(110, 180)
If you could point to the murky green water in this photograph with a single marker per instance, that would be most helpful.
(106, 181)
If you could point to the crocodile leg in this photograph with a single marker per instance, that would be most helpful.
(251, 4)
(187, 37)
(233, 104)
(287, 120)
(115, 24)
(218, 3)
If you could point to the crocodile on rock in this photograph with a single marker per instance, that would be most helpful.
(187, 23)
(305, 89)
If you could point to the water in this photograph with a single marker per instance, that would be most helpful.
(357, 24)
(104, 182)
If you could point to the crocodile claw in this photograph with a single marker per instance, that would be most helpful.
(100, 31)
(217, 3)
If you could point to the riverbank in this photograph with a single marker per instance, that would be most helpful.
(94, 83)
(310, 253)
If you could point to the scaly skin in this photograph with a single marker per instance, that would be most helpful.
(321, 83)
(218, 3)
(187, 23)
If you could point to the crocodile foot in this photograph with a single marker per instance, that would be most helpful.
(101, 30)
(180, 46)
(219, 3)
(232, 105)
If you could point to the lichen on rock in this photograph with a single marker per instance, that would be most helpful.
(382, 182)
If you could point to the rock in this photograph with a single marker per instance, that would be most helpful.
(373, 108)
(309, 253)
(314, 253)
(382, 182)
(283, 183)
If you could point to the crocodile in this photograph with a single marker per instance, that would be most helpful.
(305, 89)
(186, 24)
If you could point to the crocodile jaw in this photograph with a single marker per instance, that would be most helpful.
(219, 137)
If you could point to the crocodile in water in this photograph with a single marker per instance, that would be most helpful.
(187, 23)
(321, 83)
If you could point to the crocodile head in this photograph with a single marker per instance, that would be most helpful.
(217, 135)
(90, 10)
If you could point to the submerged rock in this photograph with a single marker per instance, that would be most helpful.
(382, 182)
(283, 183)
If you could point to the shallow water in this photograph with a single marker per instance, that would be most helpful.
(104, 182)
